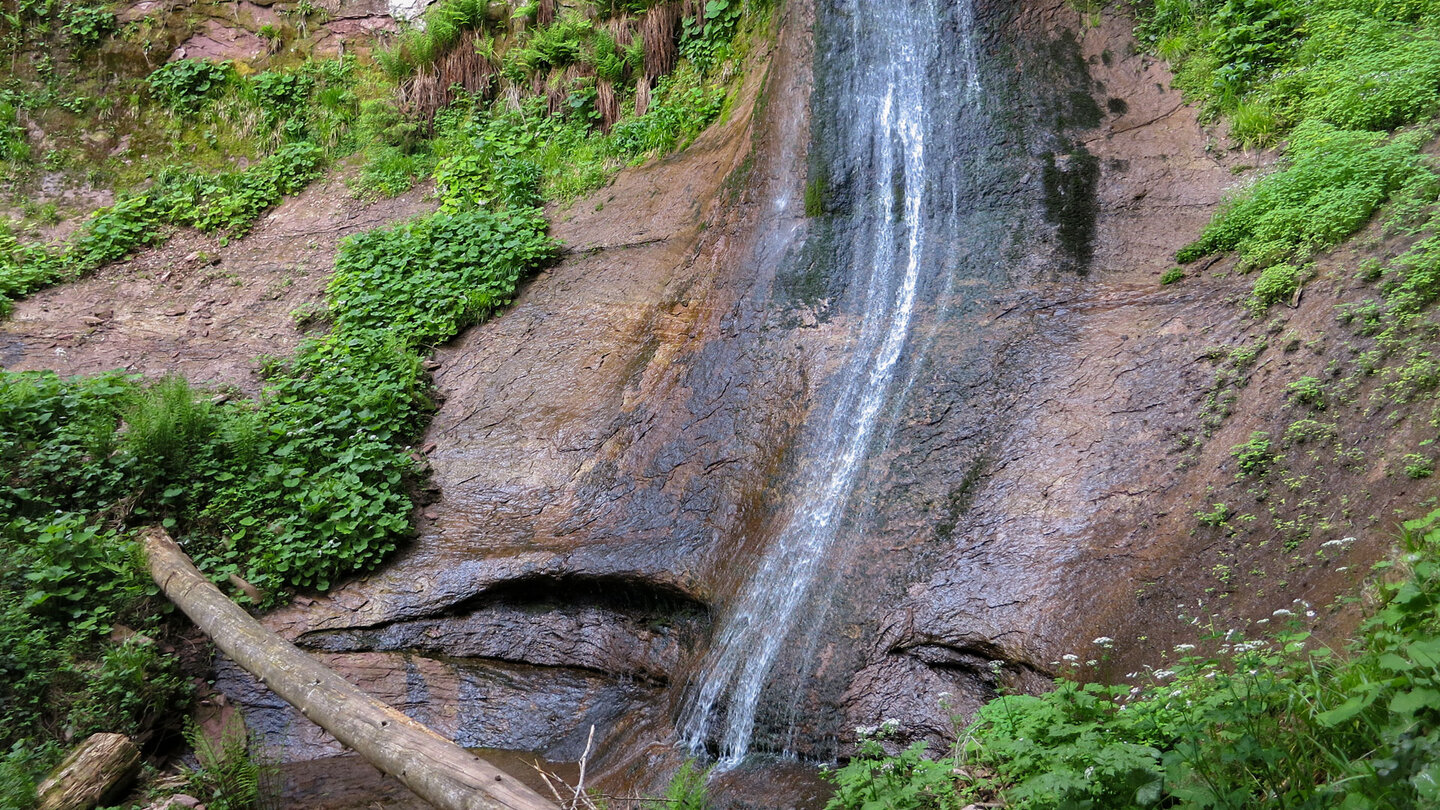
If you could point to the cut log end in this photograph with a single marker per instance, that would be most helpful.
(97, 769)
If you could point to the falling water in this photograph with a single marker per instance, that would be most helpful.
(902, 52)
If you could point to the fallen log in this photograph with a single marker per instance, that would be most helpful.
(437, 770)
(98, 769)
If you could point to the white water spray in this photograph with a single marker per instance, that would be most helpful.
(721, 702)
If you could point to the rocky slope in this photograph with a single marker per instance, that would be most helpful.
(614, 451)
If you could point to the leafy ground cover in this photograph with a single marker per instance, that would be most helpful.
(1353, 87)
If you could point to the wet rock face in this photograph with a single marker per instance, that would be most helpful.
(640, 415)
(608, 626)
(637, 424)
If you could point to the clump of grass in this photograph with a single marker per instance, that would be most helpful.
(167, 423)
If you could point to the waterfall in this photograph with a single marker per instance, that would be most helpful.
(900, 52)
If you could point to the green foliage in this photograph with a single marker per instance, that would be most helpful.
(429, 279)
(1418, 466)
(1217, 516)
(186, 84)
(1346, 80)
(135, 688)
(166, 425)
(21, 768)
(525, 148)
(1394, 83)
(228, 776)
(310, 483)
(14, 144)
(685, 106)
(24, 268)
(1333, 181)
(88, 26)
(1307, 391)
(281, 94)
(1251, 37)
(556, 45)
(874, 780)
(1412, 280)
(688, 790)
(705, 42)
(1275, 721)
(228, 202)
(1253, 457)
(65, 582)
(1276, 283)
(1305, 431)
(1172, 275)
(421, 47)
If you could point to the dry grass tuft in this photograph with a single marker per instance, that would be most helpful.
(464, 68)
(659, 29)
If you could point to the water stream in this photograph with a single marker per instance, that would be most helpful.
(908, 65)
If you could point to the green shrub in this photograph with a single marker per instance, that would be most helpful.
(186, 84)
(1275, 284)
(431, 278)
(88, 26)
(1215, 517)
(1412, 280)
(1307, 391)
(166, 426)
(1378, 88)
(14, 144)
(708, 41)
(135, 689)
(21, 768)
(1250, 37)
(1253, 457)
(1418, 466)
(688, 790)
(685, 108)
(1334, 180)
(229, 776)
(909, 780)
(280, 94)
(230, 202)
(1303, 431)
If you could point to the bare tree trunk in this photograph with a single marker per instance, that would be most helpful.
(98, 768)
(436, 769)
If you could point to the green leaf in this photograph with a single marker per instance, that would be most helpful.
(1408, 703)
(1345, 711)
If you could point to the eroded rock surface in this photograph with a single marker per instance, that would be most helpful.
(194, 308)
